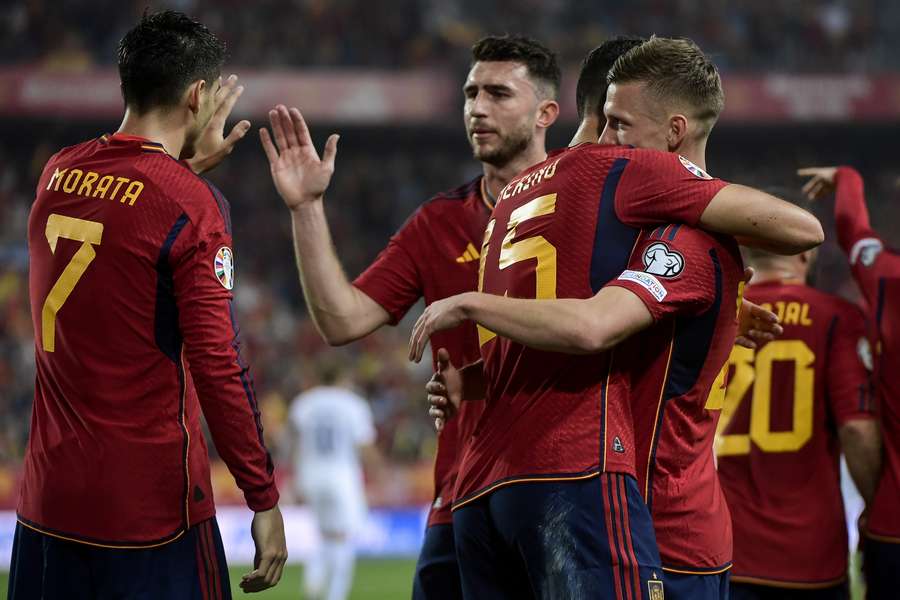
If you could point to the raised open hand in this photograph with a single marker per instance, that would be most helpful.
(299, 174)
(212, 146)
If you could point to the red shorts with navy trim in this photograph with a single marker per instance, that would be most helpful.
(192, 567)
(588, 538)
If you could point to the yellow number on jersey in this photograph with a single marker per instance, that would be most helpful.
(533, 247)
(754, 369)
(79, 230)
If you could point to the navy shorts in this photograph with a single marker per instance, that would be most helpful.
(50, 568)
(881, 566)
(685, 586)
(749, 591)
(580, 539)
(437, 571)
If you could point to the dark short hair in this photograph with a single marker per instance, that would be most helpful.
(537, 58)
(162, 55)
(674, 70)
(590, 93)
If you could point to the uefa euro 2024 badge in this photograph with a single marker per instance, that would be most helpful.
(224, 267)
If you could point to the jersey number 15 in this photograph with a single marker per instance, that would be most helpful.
(536, 247)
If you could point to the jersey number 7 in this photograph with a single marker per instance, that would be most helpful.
(79, 230)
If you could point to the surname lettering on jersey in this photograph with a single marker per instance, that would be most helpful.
(91, 184)
(533, 179)
(790, 313)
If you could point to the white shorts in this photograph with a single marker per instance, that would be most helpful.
(338, 509)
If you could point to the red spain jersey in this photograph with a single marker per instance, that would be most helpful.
(778, 448)
(433, 256)
(689, 280)
(131, 271)
(876, 269)
(563, 229)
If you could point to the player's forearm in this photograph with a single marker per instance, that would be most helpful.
(762, 221)
(563, 325)
(851, 216)
(341, 312)
(861, 444)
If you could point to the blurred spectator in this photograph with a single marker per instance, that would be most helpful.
(819, 35)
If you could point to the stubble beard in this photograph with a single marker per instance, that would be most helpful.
(511, 146)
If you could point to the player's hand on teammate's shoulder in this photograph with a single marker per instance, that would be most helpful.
(267, 530)
(756, 325)
(444, 391)
(213, 146)
(300, 176)
(821, 181)
(438, 316)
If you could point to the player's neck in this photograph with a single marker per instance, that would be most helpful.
(587, 132)
(694, 152)
(497, 176)
(156, 127)
(785, 273)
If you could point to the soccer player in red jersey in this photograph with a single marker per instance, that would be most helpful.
(510, 101)
(131, 271)
(876, 269)
(791, 407)
(666, 94)
(556, 397)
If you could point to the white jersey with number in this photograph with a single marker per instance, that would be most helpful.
(332, 423)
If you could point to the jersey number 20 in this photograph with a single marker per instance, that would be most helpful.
(753, 369)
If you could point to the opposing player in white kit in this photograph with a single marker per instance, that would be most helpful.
(331, 426)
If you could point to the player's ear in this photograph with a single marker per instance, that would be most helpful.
(548, 112)
(677, 131)
(195, 95)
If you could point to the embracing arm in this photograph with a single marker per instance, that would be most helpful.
(761, 220)
(566, 325)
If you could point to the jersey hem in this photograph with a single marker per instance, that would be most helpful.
(882, 538)
(698, 570)
(792, 585)
(537, 478)
(101, 543)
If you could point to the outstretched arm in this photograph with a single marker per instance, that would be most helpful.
(342, 312)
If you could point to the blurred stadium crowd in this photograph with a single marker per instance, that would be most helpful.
(383, 173)
(795, 35)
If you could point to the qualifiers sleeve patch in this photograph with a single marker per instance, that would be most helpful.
(660, 260)
(224, 267)
(864, 351)
(694, 169)
(647, 281)
(866, 251)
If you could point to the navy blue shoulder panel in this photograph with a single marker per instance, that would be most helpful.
(613, 240)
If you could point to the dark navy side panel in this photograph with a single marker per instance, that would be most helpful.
(168, 336)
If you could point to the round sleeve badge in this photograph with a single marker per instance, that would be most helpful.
(224, 267)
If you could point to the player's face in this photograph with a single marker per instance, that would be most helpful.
(500, 111)
(632, 119)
